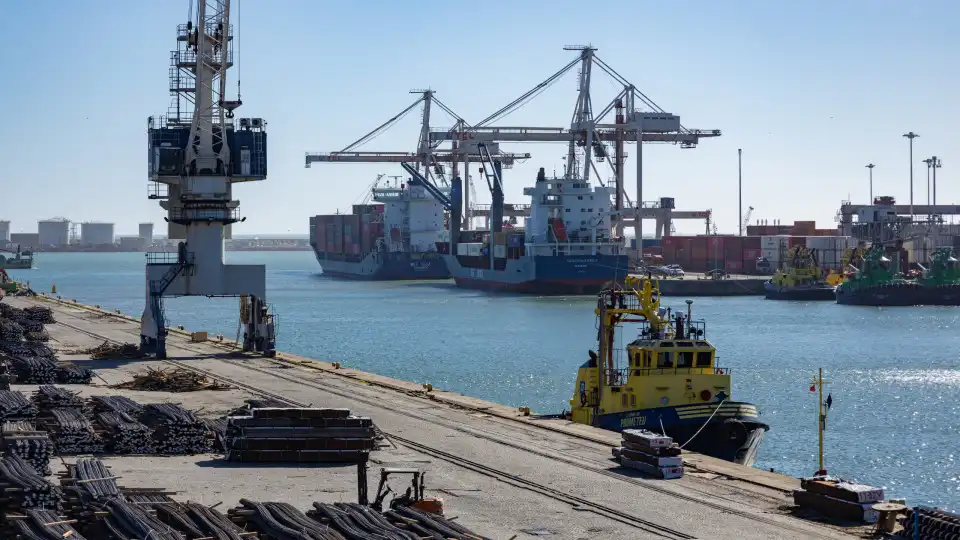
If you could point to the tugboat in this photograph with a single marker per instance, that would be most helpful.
(802, 280)
(18, 260)
(941, 282)
(670, 384)
(879, 282)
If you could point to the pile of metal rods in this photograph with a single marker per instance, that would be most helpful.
(94, 478)
(198, 521)
(35, 370)
(73, 374)
(127, 520)
(24, 440)
(930, 523)
(218, 427)
(14, 404)
(119, 404)
(10, 330)
(176, 431)
(73, 433)
(43, 525)
(40, 314)
(49, 397)
(281, 520)
(124, 435)
(24, 487)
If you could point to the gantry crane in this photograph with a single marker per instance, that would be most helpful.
(196, 154)
(428, 156)
(746, 220)
(587, 135)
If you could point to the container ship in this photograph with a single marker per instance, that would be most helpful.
(395, 239)
(566, 246)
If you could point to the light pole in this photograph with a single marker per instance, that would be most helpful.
(911, 136)
(871, 166)
(929, 162)
(936, 165)
(740, 188)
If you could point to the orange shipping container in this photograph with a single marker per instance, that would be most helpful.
(734, 266)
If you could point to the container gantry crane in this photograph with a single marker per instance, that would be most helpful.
(196, 154)
(587, 135)
(429, 156)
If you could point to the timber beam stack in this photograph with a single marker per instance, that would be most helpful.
(299, 435)
(650, 453)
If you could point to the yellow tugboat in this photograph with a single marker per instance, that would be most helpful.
(800, 279)
(667, 381)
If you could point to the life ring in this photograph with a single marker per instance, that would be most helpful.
(705, 395)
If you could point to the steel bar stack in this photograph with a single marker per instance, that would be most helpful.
(22, 439)
(124, 435)
(10, 330)
(42, 525)
(73, 374)
(43, 315)
(5, 376)
(198, 521)
(49, 397)
(430, 525)
(256, 403)
(35, 370)
(281, 520)
(176, 431)
(14, 404)
(73, 433)
(118, 404)
(650, 453)
(127, 520)
(91, 476)
(930, 524)
(218, 428)
(299, 435)
(24, 487)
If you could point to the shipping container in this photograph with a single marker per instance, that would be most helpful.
(750, 266)
(733, 248)
(515, 240)
(650, 242)
(715, 248)
(733, 266)
(500, 251)
(751, 242)
(320, 236)
(698, 248)
(797, 241)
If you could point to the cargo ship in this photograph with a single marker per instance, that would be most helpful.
(395, 239)
(566, 246)
(668, 381)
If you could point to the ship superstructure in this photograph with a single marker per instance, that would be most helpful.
(196, 154)
(397, 238)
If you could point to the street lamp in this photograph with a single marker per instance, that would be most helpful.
(936, 165)
(740, 188)
(911, 136)
(871, 166)
(929, 162)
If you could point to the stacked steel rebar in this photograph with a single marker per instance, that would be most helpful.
(73, 374)
(14, 404)
(218, 428)
(357, 521)
(10, 330)
(73, 433)
(24, 487)
(21, 438)
(119, 404)
(40, 314)
(281, 520)
(124, 434)
(48, 397)
(35, 370)
(94, 478)
(299, 435)
(930, 523)
(198, 521)
(176, 431)
(128, 520)
(44, 525)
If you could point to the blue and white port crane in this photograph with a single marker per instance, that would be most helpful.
(197, 151)
(588, 134)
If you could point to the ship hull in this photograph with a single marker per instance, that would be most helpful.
(883, 296)
(548, 276)
(773, 292)
(15, 264)
(734, 433)
(385, 267)
(942, 295)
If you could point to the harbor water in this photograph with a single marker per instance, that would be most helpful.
(895, 376)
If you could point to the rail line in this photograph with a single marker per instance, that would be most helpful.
(457, 460)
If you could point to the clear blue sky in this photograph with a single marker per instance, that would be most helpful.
(812, 91)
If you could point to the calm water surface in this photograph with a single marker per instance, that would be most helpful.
(895, 373)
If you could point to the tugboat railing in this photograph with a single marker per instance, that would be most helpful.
(618, 377)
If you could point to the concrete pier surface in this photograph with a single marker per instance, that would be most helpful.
(701, 285)
(503, 474)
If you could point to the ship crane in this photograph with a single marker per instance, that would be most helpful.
(196, 154)
(429, 157)
(588, 135)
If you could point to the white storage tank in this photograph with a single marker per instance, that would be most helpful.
(4, 232)
(146, 233)
(54, 232)
(96, 234)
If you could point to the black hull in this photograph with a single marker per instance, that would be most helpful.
(730, 440)
(810, 294)
(883, 296)
(942, 295)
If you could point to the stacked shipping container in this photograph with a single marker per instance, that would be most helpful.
(349, 234)
(739, 254)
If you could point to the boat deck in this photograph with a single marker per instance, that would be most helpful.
(503, 474)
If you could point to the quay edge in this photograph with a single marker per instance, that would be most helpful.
(699, 462)
(693, 285)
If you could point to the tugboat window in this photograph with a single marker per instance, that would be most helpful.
(703, 359)
(685, 359)
(665, 359)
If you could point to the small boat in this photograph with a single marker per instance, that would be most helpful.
(941, 281)
(668, 380)
(800, 279)
(16, 260)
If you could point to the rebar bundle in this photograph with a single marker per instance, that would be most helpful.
(198, 521)
(119, 404)
(357, 521)
(14, 404)
(9, 330)
(24, 440)
(44, 525)
(73, 374)
(218, 427)
(94, 478)
(128, 520)
(40, 314)
(176, 431)
(124, 435)
(49, 397)
(74, 434)
(171, 380)
(281, 520)
(38, 335)
(25, 349)
(113, 351)
(25, 487)
(35, 370)
(930, 523)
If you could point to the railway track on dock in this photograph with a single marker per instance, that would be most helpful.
(573, 500)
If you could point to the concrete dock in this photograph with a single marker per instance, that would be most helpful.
(503, 474)
(701, 285)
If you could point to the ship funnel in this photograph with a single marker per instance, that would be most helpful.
(542, 175)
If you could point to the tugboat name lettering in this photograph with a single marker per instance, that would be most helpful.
(633, 421)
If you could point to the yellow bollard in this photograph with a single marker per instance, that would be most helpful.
(53, 289)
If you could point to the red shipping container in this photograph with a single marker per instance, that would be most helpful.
(698, 248)
(749, 266)
(331, 247)
(751, 254)
(751, 242)
(797, 241)
(733, 266)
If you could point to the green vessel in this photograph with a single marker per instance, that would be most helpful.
(941, 281)
(879, 282)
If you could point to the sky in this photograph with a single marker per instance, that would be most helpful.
(810, 91)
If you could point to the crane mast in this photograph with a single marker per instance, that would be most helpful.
(196, 154)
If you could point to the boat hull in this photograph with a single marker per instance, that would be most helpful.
(733, 433)
(773, 292)
(942, 295)
(883, 295)
(385, 267)
(548, 276)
